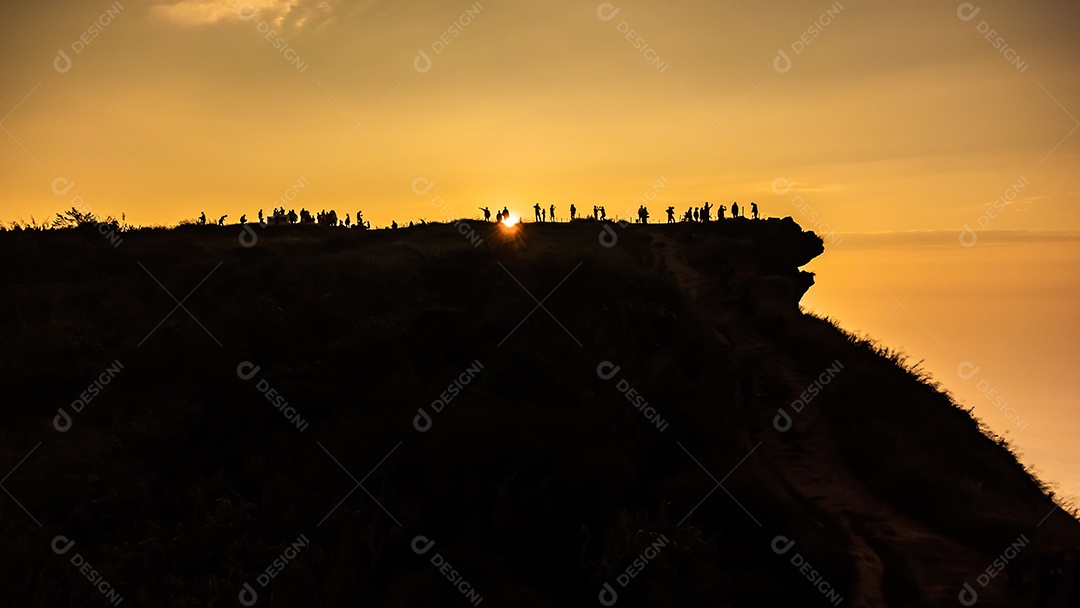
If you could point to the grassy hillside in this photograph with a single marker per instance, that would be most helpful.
(536, 477)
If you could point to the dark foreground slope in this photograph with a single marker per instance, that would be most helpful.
(566, 422)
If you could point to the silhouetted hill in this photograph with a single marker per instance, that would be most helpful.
(296, 412)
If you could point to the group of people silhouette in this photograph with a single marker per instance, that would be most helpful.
(330, 218)
(281, 216)
(500, 215)
(704, 213)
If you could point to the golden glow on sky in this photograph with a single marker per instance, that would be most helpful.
(994, 323)
(851, 117)
(879, 116)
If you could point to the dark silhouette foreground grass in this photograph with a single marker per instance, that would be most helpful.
(538, 480)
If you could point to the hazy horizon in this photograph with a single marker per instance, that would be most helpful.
(1001, 338)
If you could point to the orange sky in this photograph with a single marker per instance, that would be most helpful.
(890, 117)
(854, 118)
(996, 324)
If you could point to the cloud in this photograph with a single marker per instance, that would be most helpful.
(279, 12)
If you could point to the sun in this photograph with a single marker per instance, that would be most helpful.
(510, 221)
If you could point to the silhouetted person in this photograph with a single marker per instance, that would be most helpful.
(260, 216)
(689, 215)
(347, 221)
(670, 215)
(644, 214)
(487, 213)
(753, 210)
(603, 213)
(720, 212)
(243, 219)
(506, 213)
(202, 219)
(536, 208)
(393, 225)
(696, 214)
(498, 217)
(552, 215)
(543, 215)
(735, 209)
(705, 211)
(291, 216)
(573, 211)
(221, 220)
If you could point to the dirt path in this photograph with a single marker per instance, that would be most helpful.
(893, 555)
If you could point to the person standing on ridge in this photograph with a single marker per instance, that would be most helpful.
(753, 210)
(573, 211)
(671, 215)
(487, 213)
(552, 214)
(536, 208)
(735, 209)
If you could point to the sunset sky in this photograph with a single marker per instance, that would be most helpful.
(880, 116)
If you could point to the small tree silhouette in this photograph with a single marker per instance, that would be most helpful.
(73, 217)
